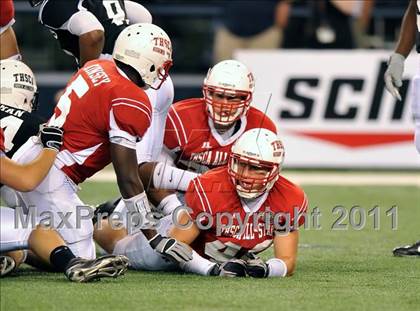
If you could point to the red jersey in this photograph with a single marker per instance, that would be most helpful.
(100, 105)
(212, 196)
(194, 140)
(2, 148)
(7, 12)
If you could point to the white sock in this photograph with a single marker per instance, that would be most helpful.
(171, 178)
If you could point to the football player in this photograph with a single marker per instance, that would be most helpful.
(18, 99)
(8, 44)
(104, 111)
(410, 30)
(44, 243)
(264, 208)
(88, 30)
(200, 132)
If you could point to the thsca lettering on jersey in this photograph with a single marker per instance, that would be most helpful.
(97, 74)
(216, 158)
(12, 111)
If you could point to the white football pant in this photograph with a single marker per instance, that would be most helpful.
(56, 199)
(14, 234)
(141, 255)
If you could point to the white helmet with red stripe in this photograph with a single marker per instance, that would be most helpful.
(255, 162)
(148, 50)
(18, 85)
(227, 90)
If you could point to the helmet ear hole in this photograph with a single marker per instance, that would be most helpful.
(152, 68)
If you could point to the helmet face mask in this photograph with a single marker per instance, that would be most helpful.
(252, 176)
(162, 74)
(255, 162)
(148, 50)
(227, 91)
(225, 106)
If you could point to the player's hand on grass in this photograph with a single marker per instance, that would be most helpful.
(257, 268)
(172, 249)
(232, 268)
(393, 75)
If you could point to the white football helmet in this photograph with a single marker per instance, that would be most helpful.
(255, 162)
(228, 79)
(147, 49)
(18, 85)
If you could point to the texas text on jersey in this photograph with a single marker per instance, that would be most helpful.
(192, 137)
(18, 125)
(214, 194)
(111, 15)
(100, 104)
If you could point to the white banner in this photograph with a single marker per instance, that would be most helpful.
(331, 107)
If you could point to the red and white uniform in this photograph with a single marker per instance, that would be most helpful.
(191, 135)
(213, 193)
(102, 105)
(7, 14)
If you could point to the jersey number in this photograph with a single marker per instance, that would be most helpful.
(115, 11)
(10, 126)
(80, 87)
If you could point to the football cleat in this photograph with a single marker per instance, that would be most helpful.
(409, 250)
(7, 265)
(82, 270)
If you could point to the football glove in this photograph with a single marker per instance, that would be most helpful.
(170, 248)
(257, 268)
(232, 268)
(51, 137)
(393, 75)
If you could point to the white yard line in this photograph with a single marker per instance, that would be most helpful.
(325, 178)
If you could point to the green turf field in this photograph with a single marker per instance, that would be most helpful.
(337, 269)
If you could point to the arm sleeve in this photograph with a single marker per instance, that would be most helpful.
(196, 199)
(136, 13)
(172, 139)
(82, 22)
(129, 120)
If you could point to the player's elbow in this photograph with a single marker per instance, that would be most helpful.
(93, 38)
(26, 185)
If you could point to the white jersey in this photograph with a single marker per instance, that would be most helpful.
(150, 147)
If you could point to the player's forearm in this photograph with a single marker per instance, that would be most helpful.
(26, 177)
(408, 31)
(171, 178)
(91, 46)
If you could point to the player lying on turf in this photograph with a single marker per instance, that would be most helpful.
(248, 187)
(104, 112)
(45, 244)
(200, 132)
